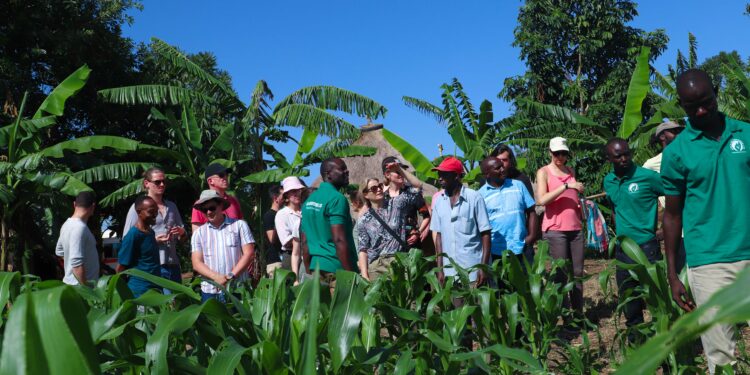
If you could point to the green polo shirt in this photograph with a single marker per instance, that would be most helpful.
(714, 177)
(326, 207)
(635, 197)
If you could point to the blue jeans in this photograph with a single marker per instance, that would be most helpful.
(171, 272)
(217, 296)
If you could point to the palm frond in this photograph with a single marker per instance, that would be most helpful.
(154, 95)
(334, 99)
(60, 181)
(115, 171)
(54, 103)
(692, 51)
(316, 120)
(274, 175)
(99, 142)
(425, 108)
(183, 63)
(638, 88)
(557, 113)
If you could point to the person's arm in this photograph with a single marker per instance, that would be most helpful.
(202, 269)
(544, 197)
(532, 227)
(126, 255)
(305, 251)
(362, 262)
(438, 257)
(282, 230)
(486, 243)
(197, 219)
(80, 274)
(248, 253)
(179, 228)
(672, 234)
(130, 220)
(296, 256)
(338, 235)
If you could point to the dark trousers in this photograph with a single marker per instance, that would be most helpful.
(633, 310)
(568, 245)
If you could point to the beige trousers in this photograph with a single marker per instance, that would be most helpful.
(718, 342)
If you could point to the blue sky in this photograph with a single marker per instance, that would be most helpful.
(387, 49)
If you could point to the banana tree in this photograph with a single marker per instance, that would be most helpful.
(305, 156)
(35, 178)
(472, 132)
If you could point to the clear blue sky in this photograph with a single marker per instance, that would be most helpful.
(387, 49)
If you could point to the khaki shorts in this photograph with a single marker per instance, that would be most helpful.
(380, 266)
(271, 268)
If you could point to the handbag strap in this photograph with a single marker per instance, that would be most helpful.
(388, 229)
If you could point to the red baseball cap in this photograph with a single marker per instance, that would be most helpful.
(450, 164)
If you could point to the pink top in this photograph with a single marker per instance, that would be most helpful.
(564, 213)
(233, 211)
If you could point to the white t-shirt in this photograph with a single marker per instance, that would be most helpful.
(77, 246)
(287, 226)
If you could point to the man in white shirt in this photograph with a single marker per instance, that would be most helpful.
(77, 244)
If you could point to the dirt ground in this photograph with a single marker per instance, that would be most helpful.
(599, 309)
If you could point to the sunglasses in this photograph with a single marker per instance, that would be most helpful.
(560, 153)
(158, 182)
(209, 207)
(374, 189)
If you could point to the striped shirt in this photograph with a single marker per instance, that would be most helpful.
(222, 247)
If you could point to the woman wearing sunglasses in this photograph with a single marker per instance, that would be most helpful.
(377, 236)
(557, 191)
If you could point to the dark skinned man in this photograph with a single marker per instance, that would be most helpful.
(633, 192)
(461, 223)
(510, 207)
(706, 176)
(326, 229)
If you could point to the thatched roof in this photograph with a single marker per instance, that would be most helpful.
(363, 167)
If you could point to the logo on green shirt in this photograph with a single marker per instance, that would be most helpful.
(633, 187)
(737, 146)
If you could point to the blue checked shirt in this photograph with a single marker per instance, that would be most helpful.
(506, 208)
(222, 247)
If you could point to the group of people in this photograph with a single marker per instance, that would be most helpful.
(699, 184)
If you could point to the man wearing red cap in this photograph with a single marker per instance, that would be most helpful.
(461, 223)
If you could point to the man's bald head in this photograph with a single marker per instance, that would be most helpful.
(334, 170)
(693, 80)
(697, 96)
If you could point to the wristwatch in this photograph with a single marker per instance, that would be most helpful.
(230, 276)
(566, 186)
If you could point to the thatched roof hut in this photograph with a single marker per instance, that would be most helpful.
(364, 167)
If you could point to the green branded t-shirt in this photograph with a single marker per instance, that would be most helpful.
(326, 207)
(635, 199)
(714, 178)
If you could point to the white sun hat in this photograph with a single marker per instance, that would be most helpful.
(558, 144)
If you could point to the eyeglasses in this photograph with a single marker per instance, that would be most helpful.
(560, 153)
(210, 207)
(374, 189)
(221, 175)
(158, 182)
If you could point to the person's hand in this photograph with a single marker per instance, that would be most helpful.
(529, 240)
(660, 235)
(178, 231)
(296, 282)
(394, 167)
(577, 185)
(162, 238)
(423, 235)
(480, 277)
(412, 239)
(220, 279)
(680, 295)
(441, 278)
(365, 276)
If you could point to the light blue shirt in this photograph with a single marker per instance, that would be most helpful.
(506, 208)
(461, 228)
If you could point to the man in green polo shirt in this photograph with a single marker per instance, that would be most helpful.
(633, 192)
(706, 175)
(326, 229)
